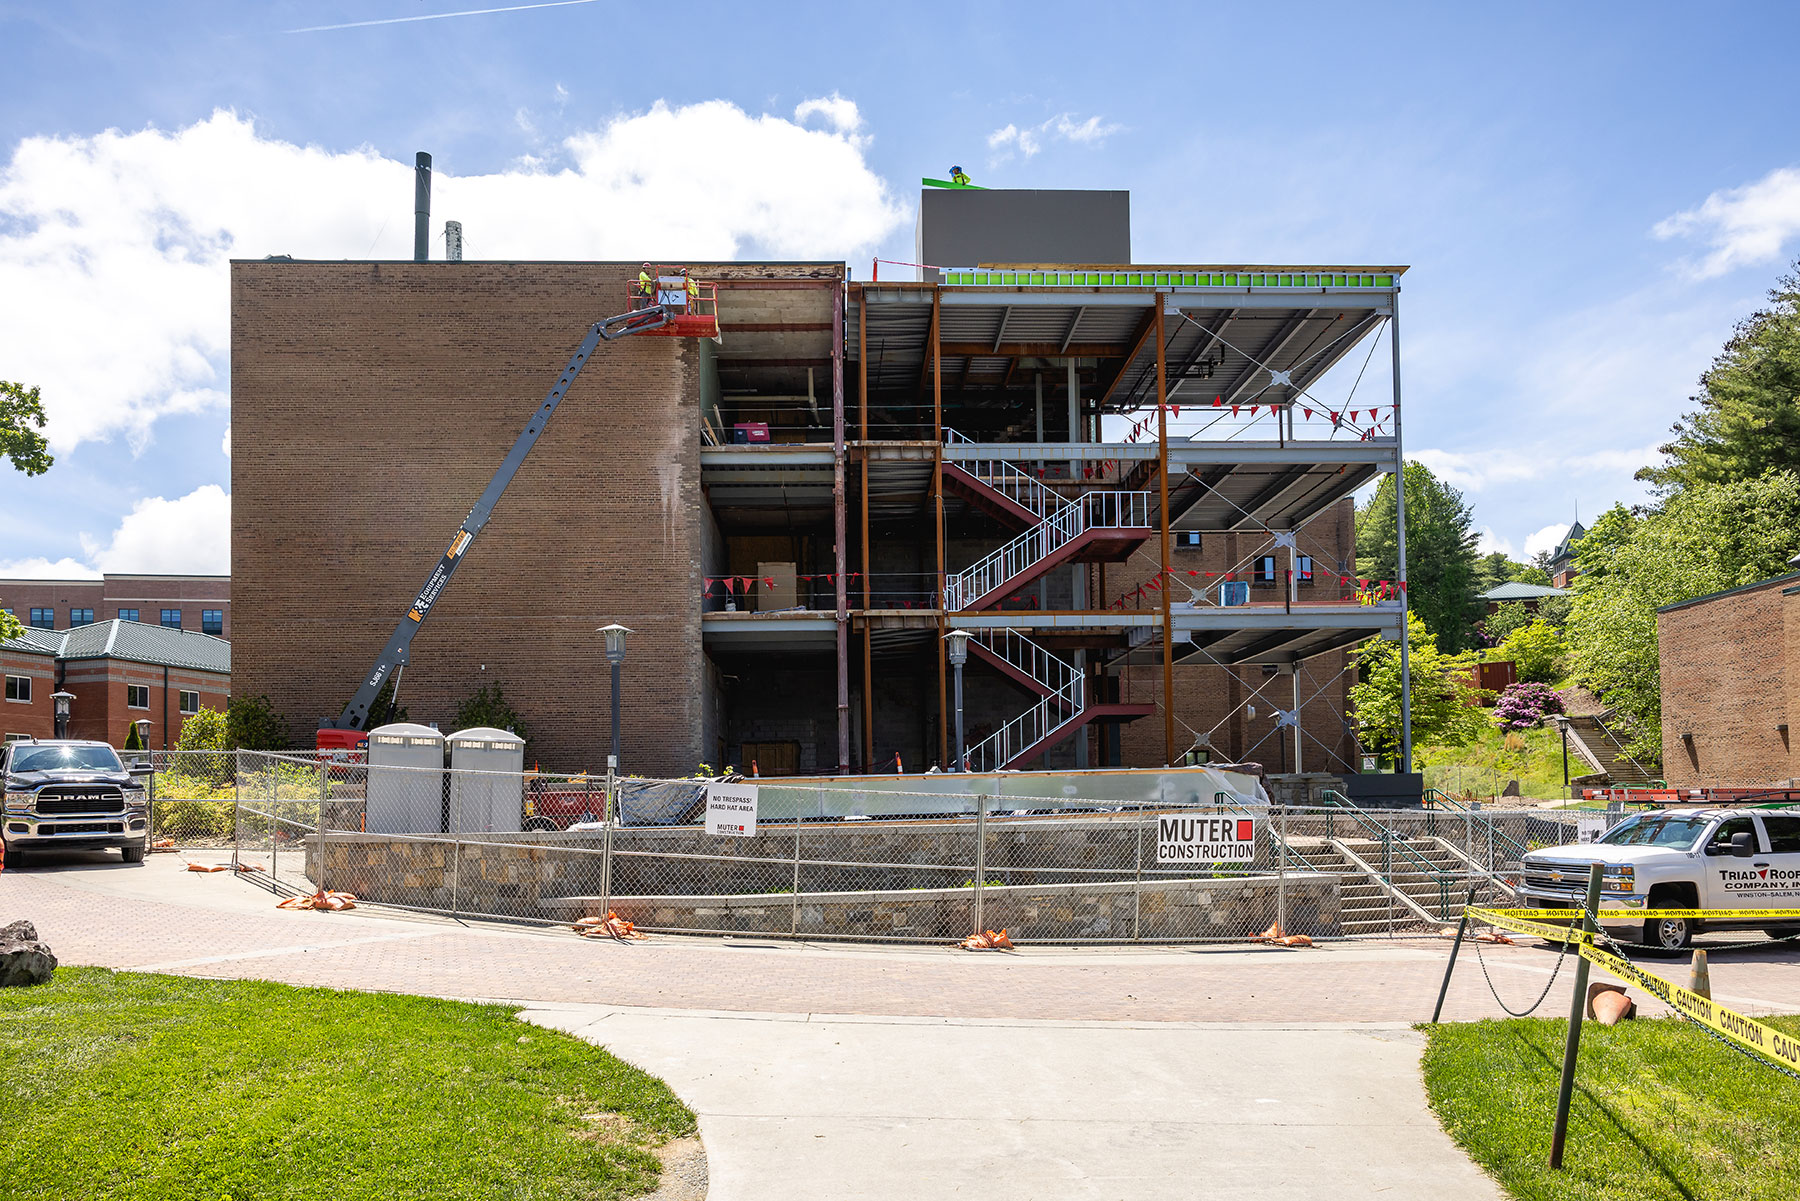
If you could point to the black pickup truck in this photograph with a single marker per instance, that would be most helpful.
(71, 795)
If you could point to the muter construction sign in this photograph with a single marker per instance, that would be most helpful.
(1205, 839)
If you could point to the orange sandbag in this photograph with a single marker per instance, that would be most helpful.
(209, 867)
(988, 940)
(611, 926)
(330, 901)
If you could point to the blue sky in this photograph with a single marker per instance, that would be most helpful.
(1588, 196)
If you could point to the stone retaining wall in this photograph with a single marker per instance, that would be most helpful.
(1070, 877)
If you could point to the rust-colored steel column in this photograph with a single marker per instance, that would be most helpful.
(1162, 457)
(868, 651)
(841, 560)
(937, 491)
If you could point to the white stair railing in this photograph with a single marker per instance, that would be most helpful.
(1023, 489)
(1061, 706)
(1092, 510)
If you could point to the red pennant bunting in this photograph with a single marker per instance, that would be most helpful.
(1307, 411)
(1217, 401)
(1177, 409)
(1234, 410)
(1253, 409)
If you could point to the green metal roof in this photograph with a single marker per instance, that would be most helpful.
(1512, 591)
(133, 640)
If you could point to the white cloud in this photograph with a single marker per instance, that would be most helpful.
(1744, 226)
(1480, 469)
(1487, 542)
(1028, 140)
(188, 535)
(841, 114)
(114, 247)
(1546, 538)
(225, 442)
(40, 568)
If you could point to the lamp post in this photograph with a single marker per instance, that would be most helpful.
(1562, 723)
(61, 700)
(615, 655)
(957, 644)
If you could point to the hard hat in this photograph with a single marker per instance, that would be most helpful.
(956, 170)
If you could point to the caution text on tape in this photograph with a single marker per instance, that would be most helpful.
(1638, 914)
(1745, 1032)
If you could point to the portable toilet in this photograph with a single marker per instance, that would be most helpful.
(406, 780)
(487, 781)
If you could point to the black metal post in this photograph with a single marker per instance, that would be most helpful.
(62, 726)
(1577, 1006)
(612, 762)
(1564, 726)
(959, 719)
(1444, 988)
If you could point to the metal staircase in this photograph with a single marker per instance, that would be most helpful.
(1092, 526)
(1061, 709)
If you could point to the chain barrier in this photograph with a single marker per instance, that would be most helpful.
(1561, 954)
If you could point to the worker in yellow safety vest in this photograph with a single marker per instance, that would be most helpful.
(646, 284)
(959, 177)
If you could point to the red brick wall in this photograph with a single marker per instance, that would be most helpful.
(371, 402)
(37, 719)
(148, 594)
(100, 709)
(1727, 682)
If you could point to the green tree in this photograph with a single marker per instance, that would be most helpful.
(10, 626)
(21, 416)
(488, 706)
(1706, 538)
(1748, 420)
(1538, 652)
(1440, 552)
(1506, 617)
(252, 724)
(133, 740)
(1445, 712)
(204, 730)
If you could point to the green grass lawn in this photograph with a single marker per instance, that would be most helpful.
(1660, 1111)
(116, 1085)
(1484, 766)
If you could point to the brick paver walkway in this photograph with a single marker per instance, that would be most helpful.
(231, 929)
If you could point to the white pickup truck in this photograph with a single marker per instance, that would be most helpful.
(1747, 858)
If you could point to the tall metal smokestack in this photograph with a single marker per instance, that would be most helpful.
(453, 241)
(422, 208)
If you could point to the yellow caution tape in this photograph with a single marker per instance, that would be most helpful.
(1608, 914)
(1745, 1032)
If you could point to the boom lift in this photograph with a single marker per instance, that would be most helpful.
(665, 304)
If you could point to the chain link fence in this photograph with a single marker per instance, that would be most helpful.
(923, 867)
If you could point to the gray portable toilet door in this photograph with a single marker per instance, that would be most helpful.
(487, 781)
(406, 780)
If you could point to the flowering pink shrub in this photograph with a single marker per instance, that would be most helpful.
(1523, 706)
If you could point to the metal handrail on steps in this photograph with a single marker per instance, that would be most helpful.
(1387, 837)
(1091, 510)
(1018, 486)
(1494, 832)
(1230, 803)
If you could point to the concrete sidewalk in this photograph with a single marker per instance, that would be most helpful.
(883, 1072)
(890, 1109)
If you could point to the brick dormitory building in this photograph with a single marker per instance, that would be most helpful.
(791, 518)
(119, 672)
(1731, 686)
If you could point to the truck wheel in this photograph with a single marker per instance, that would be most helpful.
(133, 853)
(1669, 935)
(539, 825)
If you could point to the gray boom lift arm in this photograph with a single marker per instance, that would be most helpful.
(393, 657)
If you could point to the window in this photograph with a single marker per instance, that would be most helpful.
(212, 621)
(18, 688)
(1720, 842)
(172, 618)
(43, 619)
(190, 702)
(137, 696)
(128, 614)
(1784, 835)
(1304, 569)
(81, 617)
(1265, 569)
(1187, 539)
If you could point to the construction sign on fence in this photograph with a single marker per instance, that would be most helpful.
(731, 810)
(1205, 839)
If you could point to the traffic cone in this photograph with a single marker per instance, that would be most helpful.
(1699, 978)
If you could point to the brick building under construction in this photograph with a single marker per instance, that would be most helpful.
(1121, 480)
